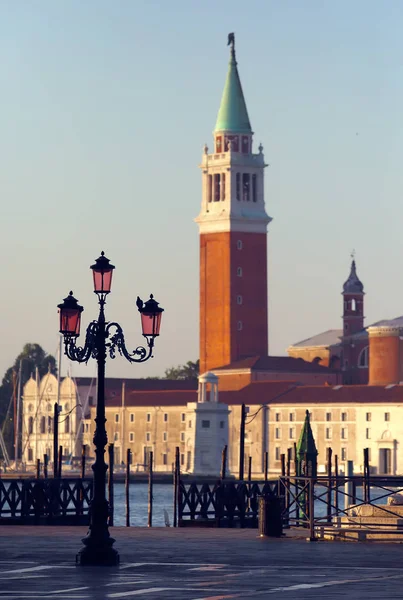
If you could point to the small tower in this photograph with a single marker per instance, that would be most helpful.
(353, 322)
(207, 428)
(353, 303)
(307, 454)
(233, 236)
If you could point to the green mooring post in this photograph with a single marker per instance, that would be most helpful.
(307, 468)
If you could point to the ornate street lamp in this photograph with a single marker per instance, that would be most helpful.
(101, 338)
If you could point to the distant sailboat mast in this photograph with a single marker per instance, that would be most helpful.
(17, 425)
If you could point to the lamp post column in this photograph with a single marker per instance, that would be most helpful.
(98, 543)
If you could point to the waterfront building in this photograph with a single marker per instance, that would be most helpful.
(38, 419)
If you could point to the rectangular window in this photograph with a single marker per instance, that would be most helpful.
(344, 454)
(205, 424)
(222, 424)
(223, 186)
(254, 188)
(217, 187)
(116, 436)
(182, 460)
(165, 417)
(368, 417)
(131, 417)
(164, 436)
(278, 433)
(148, 417)
(246, 187)
(343, 433)
(190, 424)
(182, 436)
(238, 186)
(210, 188)
(344, 416)
(131, 436)
(277, 452)
(30, 455)
(387, 416)
(278, 417)
(165, 459)
(292, 417)
(292, 433)
(328, 416)
(328, 433)
(117, 418)
(183, 417)
(368, 433)
(148, 436)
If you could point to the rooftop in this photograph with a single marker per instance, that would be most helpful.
(286, 364)
(330, 337)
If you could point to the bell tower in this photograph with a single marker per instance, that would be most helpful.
(353, 322)
(233, 236)
(353, 303)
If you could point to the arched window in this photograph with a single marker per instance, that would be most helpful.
(353, 305)
(43, 425)
(363, 358)
(50, 425)
(30, 425)
(67, 425)
(246, 187)
(254, 188)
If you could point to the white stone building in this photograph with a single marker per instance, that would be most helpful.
(38, 403)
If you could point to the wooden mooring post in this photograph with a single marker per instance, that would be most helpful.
(55, 438)
(110, 482)
(83, 452)
(176, 487)
(287, 485)
(249, 470)
(59, 462)
(127, 486)
(329, 485)
(336, 484)
(223, 470)
(150, 491)
(242, 443)
(296, 490)
(266, 466)
(45, 466)
(366, 483)
(38, 468)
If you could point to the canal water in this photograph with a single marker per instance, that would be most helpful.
(163, 499)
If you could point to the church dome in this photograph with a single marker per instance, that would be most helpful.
(353, 285)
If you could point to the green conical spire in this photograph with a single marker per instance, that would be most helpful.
(233, 114)
(306, 446)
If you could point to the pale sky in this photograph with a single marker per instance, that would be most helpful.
(105, 107)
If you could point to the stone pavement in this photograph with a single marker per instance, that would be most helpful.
(195, 564)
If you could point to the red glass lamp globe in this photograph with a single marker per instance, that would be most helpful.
(102, 272)
(70, 316)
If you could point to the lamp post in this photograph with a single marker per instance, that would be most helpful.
(102, 338)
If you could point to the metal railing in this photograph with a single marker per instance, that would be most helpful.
(45, 500)
(322, 501)
(222, 504)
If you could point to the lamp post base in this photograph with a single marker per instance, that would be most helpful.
(96, 553)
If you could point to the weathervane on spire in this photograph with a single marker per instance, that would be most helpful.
(231, 42)
(352, 254)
